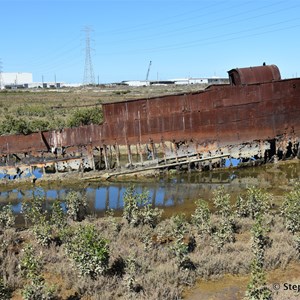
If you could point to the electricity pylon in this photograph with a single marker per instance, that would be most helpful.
(88, 77)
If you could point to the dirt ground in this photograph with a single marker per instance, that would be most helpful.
(232, 287)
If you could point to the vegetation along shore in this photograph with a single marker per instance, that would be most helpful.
(67, 253)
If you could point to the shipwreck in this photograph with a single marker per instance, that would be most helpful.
(255, 117)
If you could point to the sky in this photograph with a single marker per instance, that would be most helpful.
(185, 38)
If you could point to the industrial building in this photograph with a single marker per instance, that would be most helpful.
(178, 81)
(21, 80)
(16, 80)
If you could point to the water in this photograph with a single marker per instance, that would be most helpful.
(173, 193)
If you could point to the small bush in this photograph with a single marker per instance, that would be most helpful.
(33, 210)
(12, 125)
(38, 291)
(58, 217)
(138, 209)
(225, 230)
(113, 223)
(85, 116)
(222, 202)
(39, 125)
(76, 206)
(30, 265)
(201, 217)
(130, 271)
(181, 246)
(89, 251)
(290, 209)
(257, 287)
(7, 217)
(255, 202)
(43, 232)
(31, 269)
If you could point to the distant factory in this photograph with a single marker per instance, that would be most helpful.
(21, 80)
(178, 81)
(16, 80)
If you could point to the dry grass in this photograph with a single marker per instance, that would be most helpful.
(58, 105)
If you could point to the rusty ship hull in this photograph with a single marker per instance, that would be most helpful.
(257, 115)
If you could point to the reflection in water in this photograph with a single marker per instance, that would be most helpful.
(174, 193)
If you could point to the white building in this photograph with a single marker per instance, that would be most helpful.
(16, 79)
(190, 80)
(136, 82)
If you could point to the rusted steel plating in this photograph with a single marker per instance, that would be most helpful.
(242, 76)
(256, 115)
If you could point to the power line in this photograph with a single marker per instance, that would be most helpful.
(209, 24)
(144, 27)
(88, 77)
(242, 34)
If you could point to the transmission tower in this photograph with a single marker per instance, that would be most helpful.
(88, 77)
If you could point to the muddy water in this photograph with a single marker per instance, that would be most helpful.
(174, 193)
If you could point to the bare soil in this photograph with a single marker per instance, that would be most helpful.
(233, 287)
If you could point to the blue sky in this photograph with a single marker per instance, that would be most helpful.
(181, 38)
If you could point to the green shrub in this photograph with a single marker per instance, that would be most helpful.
(138, 209)
(113, 223)
(150, 216)
(39, 125)
(31, 270)
(221, 201)
(12, 125)
(89, 251)
(290, 209)
(37, 290)
(43, 232)
(257, 287)
(30, 264)
(85, 116)
(130, 210)
(57, 123)
(179, 225)
(76, 206)
(180, 251)
(181, 245)
(33, 210)
(201, 217)
(7, 218)
(58, 217)
(130, 271)
(260, 240)
(255, 202)
(224, 234)
(225, 230)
